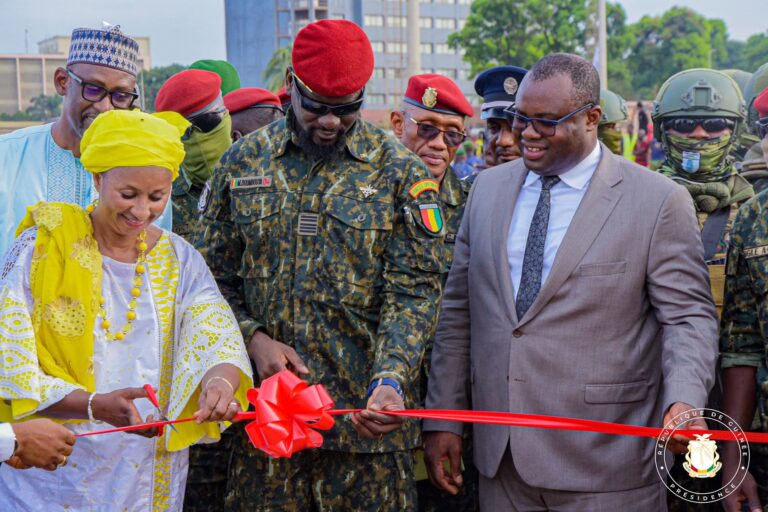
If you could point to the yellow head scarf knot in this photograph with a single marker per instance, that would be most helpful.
(131, 138)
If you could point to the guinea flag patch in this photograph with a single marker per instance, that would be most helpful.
(431, 218)
(422, 186)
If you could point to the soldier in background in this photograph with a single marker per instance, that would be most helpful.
(498, 88)
(325, 236)
(614, 112)
(745, 138)
(753, 166)
(696, 116)
(744, 337)
(196, 95)
(431, 124)
(251, 108)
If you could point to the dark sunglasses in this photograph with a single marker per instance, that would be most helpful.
(95, 93)
(206, 121)
(321, 109)
(689, 124)
(427, 131)
(762, 127)
(544, 127)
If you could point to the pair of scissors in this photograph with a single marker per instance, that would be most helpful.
(153, 398)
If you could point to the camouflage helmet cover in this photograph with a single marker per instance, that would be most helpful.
(756, 84)
(614, 107)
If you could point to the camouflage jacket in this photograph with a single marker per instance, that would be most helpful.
(453, 197)
(342, 260)
(185, 196)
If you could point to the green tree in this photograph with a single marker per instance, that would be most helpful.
(274, 73)
(149, 83)
(497, 34)
(44, 108)
(619, 41)
(755, 52)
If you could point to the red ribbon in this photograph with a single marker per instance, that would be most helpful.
(288, 411)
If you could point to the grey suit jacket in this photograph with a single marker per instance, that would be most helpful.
(623, 327)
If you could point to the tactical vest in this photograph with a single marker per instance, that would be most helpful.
(715, 233)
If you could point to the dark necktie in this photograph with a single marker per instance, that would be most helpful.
(533, 260)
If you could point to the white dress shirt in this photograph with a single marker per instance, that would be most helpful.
(7, 441)
(565, 198)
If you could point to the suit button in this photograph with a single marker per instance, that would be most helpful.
(517, 333)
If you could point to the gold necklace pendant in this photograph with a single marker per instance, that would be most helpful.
(130, 315)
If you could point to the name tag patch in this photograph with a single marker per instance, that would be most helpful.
(755, 252)
(250, 182)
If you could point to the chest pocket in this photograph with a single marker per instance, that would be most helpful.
(356, 234)
(257, 217)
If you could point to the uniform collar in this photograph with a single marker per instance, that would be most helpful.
(450, 188)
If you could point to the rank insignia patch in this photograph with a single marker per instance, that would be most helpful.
(250, 182)
(431, 218)
(202, 202)
(422, 186)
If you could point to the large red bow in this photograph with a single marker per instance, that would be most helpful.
(287, 413)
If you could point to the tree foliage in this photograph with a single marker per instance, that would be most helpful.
(149, 83)
(274, 73)
(45, 108)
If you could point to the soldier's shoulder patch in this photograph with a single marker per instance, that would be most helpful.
(755, 252)
(422, 186)
(250, 182)
(202, 202)
(430, 218)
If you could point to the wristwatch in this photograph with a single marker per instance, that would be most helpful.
(386, 381)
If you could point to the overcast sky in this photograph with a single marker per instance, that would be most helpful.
(187, 30)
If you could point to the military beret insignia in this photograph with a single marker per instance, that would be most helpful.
(510, 85)
(422, 186)
(429, 99)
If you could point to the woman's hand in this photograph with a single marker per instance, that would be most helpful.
(117, 409)
(217, 401)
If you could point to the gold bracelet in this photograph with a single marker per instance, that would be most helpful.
(231, 387)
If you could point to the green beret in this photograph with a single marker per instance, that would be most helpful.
(230, 79)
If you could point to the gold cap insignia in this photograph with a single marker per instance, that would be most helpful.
(429, 99)
(510, 85)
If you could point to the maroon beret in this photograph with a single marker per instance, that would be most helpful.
(333, 58)
(437, 93)
(241, 99)
(189, 92)
(761, 103)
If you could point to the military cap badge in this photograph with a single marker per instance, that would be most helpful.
(429, 99)
(510, 85)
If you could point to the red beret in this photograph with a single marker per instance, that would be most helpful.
(437, 93)
(333, 58)
(189, 92)
(761, 103)
(241, 99)
(283, 95)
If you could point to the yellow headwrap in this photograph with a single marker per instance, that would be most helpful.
(131, 138)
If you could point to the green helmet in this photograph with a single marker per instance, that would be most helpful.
(740, 77)
(698, 93)
(614, 107)
(757, 83)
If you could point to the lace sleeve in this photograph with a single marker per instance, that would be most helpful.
(22, 242)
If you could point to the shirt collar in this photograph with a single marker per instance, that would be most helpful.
(576, 177)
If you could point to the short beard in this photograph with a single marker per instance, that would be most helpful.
(317, 152)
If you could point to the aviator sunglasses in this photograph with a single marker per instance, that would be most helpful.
(689, 124)
(320, 109)
(427, 131)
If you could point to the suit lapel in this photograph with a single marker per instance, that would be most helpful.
(598, 203)
(506, 203)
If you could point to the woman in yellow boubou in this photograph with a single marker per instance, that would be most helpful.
(96, 303)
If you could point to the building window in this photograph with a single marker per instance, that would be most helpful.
(445, 1)
(461, 24)
(463, 74)
(397, 21)
(464, 2)
(425, 22)
(394, 73)
(448, 23)
(394, 100)
(426, 48)
(396, 47)
(373, 21)
(378, 72)
(375, 99)
(378, 46)
(443, 48)
(450, 73)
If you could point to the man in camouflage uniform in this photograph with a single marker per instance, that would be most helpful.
(614, 112)
(325, 234)
(744, 337)
(431, 124)
(696, 116)
(196, 95)
(251, 109)
(753, 166)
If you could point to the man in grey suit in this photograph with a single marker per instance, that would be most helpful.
(579, 289)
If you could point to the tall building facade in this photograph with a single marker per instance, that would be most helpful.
(255, 30)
